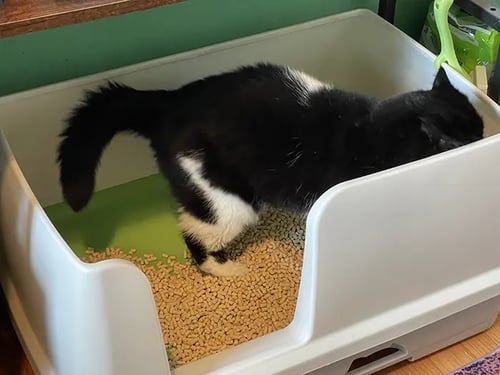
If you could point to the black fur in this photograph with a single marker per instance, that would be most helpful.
(258, 140)
(91, 127)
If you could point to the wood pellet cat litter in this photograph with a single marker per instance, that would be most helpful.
(202, 314)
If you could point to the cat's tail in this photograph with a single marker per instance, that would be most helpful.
(103, 113)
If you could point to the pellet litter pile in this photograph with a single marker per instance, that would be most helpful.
(202, 314)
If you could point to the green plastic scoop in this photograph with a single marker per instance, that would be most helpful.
(447, 54)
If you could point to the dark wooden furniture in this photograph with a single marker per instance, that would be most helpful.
(24, 16)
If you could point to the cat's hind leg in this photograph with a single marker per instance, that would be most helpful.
(207, 241)
(226, 215)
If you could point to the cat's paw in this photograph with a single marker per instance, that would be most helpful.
(226, 269)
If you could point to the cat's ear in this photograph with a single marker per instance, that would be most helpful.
(441, 81)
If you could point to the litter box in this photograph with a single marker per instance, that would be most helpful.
(404, 262)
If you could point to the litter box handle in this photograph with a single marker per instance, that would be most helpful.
(382, 363)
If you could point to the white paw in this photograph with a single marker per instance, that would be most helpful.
(227, 269)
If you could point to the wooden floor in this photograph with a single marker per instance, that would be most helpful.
(13, 361)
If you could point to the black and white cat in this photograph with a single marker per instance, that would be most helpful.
(262, 134)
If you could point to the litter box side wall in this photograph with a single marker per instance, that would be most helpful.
(67, 312)
(402, 248)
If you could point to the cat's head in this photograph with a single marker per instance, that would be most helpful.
(427, 122)
(449, 120)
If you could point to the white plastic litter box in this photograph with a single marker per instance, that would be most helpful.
(408, 258)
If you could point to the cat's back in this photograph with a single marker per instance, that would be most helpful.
(263, 86)
(263, 107)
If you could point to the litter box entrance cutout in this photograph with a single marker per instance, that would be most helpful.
(199, 314)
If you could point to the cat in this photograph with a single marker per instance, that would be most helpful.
(261, 134)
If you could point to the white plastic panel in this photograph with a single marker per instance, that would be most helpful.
(417, 242)
(72, 317)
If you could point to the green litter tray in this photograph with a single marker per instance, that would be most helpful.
(141, 215)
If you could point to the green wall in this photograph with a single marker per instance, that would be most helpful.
(40, 58)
